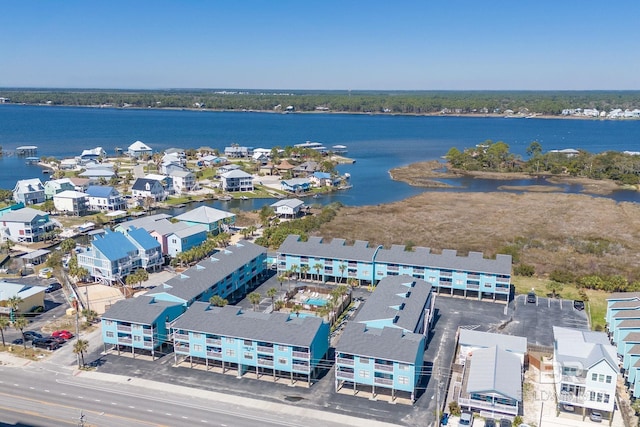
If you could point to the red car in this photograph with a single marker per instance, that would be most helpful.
(62, 334)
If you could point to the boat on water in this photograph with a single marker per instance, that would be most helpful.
(244, 198)
(339, 149)
(225, 198)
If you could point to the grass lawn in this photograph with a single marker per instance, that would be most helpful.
(596, 307)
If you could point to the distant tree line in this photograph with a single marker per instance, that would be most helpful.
(496, 157)
(393, 102)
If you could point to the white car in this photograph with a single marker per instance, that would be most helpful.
(45, 273)
(466, 419)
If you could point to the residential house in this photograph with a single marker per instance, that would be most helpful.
(185, 238)
(26, 225)
(139, 149)
(228, 168)
(139, 324)
(281, 345)
(288, 208)
(68, 164)
(237, 180)
(305, 169)
(30, 296)
(81, 184)
(96, 175)
(585, 370)
(236, 151)
(215, 220)
(183, 180)
(284, 167)
(113, 256)
(382, 349)
(55, 186)
(321, 179)
(166, 181)
(492, 372)
(72, 202)
(267, 169)
(92, 155)
(105, 198)
(144, 187)
(296, 185)
(467, 276)
(29, 191)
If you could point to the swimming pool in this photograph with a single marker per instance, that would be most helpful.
(316, 301)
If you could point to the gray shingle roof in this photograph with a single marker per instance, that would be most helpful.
(231, 321)
(510, 343)
(190, 231)
(402, 298)
(146, 222)
(336, 249)
(23, 215)
(635, 350)
(585, 347)
(632, 337)
(495, 370)
(386, 343)
(634, 303)
(623, 296)
(632, 323)
(194, 281)
(627, 314)
(143, 310)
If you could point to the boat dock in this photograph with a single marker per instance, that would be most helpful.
(26, 150)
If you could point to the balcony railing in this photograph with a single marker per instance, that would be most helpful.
(181, 348)
(383, 381)
(147, 344)
(214, 354)
(147, 332)
(344, 374)
(573, 379)
(300, 354)
(382, 367)
(183, 337)
(265, 362)
(123, 328)
(567, 397)
(264, 349)
(125, 341)
(488, 406)
(345, 361)
(472, 286)
(212, 341)
(300, 367)
(473, 276)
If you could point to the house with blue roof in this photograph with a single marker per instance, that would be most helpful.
(113, 256)
(296, 185)
(277, 345)
(139, 325)
(381, 350)
(186, 238)
(467, 276)
(105, 199)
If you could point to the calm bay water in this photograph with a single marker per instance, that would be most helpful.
(377, 143)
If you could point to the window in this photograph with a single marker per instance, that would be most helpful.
(594, 377)
(137, 338)
(599, 397)
(601, 378)
(109, 334)
(197, 347)
(363, 374)
(592, 395)
(606, 398)
(403, 367)
(108, 322)
(608, 381)
(196, 335)
(248, 356)
(283, 361)
(364, 360)
(403, 380)
(283, 348)
(458, 282)
(230, 353)
(248, 343)
(229, 340)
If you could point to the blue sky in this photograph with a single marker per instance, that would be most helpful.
(304, 44)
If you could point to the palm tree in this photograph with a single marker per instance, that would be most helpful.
(352, 281)
(323, 311)
(90, 315)
(218, 301)
(317, 267)
(281, 279)
(4, 324)
(20, 323)
(80, 347)
(271, 293)
(296, 309)
(13, 303)
(279, 305)
(255, 298)
(342, 268)
(304, 269)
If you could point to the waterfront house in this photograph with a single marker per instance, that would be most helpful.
(321, 179)
(228, 168)
(585, 370)
(215, 220)
(305, 169)
(30, 296)
(157, 226)
(237, 180)
(288, 208)
(105, 199)
(183, 180)
(381, 350)
(80, 184)
(145, 187)
(284, 167)
(113, 256)
(29, 191)
(139, 325)
(71, 202)
(26, 225)
(55, 186)
(95, 175)
(236, 151)
(296, 185)
(278, 345)
(68, 164)
(139, 149)
(92, 155)
(172, 161)
(185, 238)
(492, 372)
(469, 276)
(267, 169)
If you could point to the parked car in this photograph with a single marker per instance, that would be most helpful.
(32, 335)
(52, 287)
(66, 335)
(532, 298)
(568, 408)
(444, 420)
(46, 343)
(595, 416)
(578, 305)
(466, 419)
(489, 422)
(45, 273)
(505, 422)
(17, 341)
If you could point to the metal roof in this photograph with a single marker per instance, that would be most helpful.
(204, 215)
(511, 343)
(141, 310)
(494, 370)
(386, 343)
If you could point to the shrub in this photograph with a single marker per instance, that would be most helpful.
(526, 270)
(562, 276)
(454, 409)
(517, 420)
